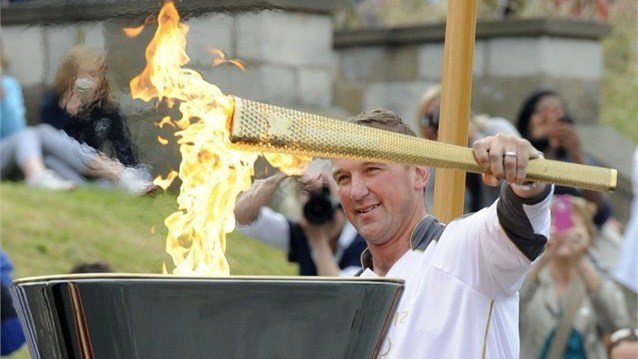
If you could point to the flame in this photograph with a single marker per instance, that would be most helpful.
(165, 182)
(288, 164)
(135, 31)
(219, 58)
(165, 121)
(212, 173)
(162, 140)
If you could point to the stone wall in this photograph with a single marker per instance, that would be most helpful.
(295, 60)
(391, 68)
(287, 46)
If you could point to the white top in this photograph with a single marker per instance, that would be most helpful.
(461, 293)
(626, 271)
(272, 227)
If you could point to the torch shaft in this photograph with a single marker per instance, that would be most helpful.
(265, 128)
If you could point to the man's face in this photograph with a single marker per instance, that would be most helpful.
(380, 200)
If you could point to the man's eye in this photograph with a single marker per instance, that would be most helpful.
(341, 179)
(373, 169)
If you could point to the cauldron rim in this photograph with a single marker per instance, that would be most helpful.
(171, 277)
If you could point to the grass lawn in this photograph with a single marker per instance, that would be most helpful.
(49, 232)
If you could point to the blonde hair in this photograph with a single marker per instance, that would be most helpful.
(430, 95)
(68, 72)
(586, 210)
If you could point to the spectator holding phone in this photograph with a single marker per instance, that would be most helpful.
(565, 302)
(545, 122)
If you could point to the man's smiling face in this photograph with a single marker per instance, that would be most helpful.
(379, 199)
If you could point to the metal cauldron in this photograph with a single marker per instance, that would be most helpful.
(153, 316)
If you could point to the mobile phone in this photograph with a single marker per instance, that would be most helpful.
(561, 213)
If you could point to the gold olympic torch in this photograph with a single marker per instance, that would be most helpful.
(260, 127)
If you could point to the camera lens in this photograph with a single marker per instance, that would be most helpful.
(319, 209)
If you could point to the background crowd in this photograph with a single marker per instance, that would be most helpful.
(578, 301)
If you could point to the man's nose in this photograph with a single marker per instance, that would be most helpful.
(358, 188)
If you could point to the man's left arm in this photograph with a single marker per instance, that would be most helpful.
(509, 243)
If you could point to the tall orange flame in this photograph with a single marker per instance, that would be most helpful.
(212, 173)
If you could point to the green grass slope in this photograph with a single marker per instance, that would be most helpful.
(49, 232)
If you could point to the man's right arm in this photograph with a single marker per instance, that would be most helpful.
(250, 202)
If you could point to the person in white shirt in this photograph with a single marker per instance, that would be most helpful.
(462, 280)
(321, 242)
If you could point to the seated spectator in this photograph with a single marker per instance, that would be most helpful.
(34, 151)
(11, 334)
(11, 104)
(543, 120)
(50, 159)
(81, 103)
(565, 302)
(478, 194)
(321, 240)
(92, 267)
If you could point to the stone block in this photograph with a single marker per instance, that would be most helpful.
(566, 58)
(504, 96)
(379, 64)
(284, 38)
(501, 97)
(581, 59)
(514, 57)
(267, 83)
(361, 63)
(212, 31)
(480, 60)
(431, 61)
(58, 41)
(126, 56)
(22, 49)
(349, 95)
(399, 97)
(93, 35)
(314, 87)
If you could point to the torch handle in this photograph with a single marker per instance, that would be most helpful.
(265, 128)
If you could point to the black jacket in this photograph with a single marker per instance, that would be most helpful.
(96, 127)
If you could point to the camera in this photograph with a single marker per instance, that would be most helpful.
(320, 208)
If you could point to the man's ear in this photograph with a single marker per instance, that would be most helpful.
(422, 177)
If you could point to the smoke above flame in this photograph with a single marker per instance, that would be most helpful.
(212, 173)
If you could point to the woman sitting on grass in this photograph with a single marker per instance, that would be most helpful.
(42, 154)
(81, 104)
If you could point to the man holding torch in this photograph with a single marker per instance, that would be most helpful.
(462, 279)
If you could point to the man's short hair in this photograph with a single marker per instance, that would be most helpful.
(384, 120)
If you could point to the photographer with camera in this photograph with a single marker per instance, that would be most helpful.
(321, 241)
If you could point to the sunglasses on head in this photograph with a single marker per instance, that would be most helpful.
(430, 120)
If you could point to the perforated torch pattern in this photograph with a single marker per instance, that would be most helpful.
(266, 128)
